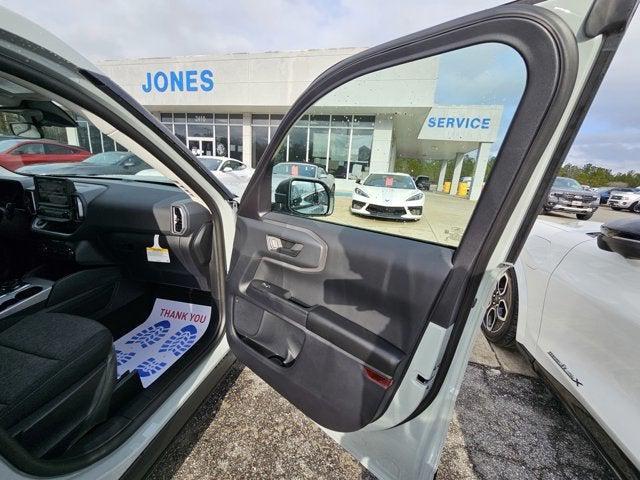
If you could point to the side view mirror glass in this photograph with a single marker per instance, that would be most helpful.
(304, 196)
(622, 237)
(129, 164)
(26, 130)
(227, 169)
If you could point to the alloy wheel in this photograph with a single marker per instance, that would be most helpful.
(501, 301)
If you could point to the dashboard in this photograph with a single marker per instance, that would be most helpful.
(98, 222)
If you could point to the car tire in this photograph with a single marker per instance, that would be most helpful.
(635, 208)
(501, 317)
(584, 216)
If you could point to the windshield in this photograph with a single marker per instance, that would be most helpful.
(7, 144)
(210, 163)
(567, 184)
(295, 170)
(390, 181)
(107, 158)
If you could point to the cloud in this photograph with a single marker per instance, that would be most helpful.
(146, 28)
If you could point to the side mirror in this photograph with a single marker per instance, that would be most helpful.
(26, 130)
(622, 237)
(304, 196)
(129, 164)
(358, 180)
(227, 169)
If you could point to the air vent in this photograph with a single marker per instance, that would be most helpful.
(178, 219)
(30, 201)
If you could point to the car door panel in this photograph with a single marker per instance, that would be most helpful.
(355, 307)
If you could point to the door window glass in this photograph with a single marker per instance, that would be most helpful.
(29, 149)
(440, 120)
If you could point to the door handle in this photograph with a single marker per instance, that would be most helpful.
(285, 247)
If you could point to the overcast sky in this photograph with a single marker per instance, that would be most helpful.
(610, 136)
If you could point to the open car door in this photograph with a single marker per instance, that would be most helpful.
(357, 298)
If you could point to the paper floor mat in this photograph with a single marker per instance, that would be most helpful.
(171, 329)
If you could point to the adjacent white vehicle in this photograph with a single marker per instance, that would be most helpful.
(628, 200)
(234, 174)
(123, 301)
(571, 303)
(388, 195)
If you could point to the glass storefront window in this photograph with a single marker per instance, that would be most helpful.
(179, 117)
(318, 142)
(364, 120)
(166, 117)
(235, 142)
(320, 120)
(200, 130)
(222, 143)
(180, 131)
(298, 144)
(340, 120)
(361, 142)
(221, 118)
(339, 152)
(259, 142)
(108, 144)
(235, 118)
(260, 119)
(95, 138)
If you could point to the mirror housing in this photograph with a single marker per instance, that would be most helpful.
(358, 180)
(622, 237)
(227, 169)
(308, 197)
(24, 129)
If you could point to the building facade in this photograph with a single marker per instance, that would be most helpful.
(231, 105)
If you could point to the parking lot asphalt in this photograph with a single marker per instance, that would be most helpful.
(506, 426)
(444, 218)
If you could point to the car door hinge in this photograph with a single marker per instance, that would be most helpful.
(234, 205)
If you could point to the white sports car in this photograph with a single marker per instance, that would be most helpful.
(571, 304)
(388, 195)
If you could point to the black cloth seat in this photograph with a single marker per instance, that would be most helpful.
(57, 374)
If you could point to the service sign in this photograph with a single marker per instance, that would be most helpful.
(462, 123)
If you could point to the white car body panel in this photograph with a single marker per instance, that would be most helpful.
(580, 303)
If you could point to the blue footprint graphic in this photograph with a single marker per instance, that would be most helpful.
(150, 335)
(149, 367)
(181, 341)
(123, 357)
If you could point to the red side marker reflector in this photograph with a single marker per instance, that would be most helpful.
(378, 378)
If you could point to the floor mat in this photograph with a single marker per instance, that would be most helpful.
(171, 329)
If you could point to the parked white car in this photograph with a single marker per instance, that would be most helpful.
(388, 195)
(619, 200)
(571, 304)
(233, 174)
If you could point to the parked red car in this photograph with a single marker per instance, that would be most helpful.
(19, 152)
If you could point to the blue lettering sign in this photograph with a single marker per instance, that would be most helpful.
(160, 81)
(459, 122)
(146, 87)
(179, 81)
(206, 80)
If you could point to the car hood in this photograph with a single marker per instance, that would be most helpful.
(568, 191)
(388, 195)
(64, 168)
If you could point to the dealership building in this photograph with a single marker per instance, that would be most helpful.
(230, 105)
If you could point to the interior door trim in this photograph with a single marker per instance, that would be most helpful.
(283, 263)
